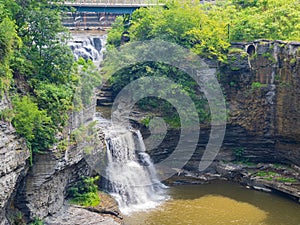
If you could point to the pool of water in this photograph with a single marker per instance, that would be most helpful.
(219, 203)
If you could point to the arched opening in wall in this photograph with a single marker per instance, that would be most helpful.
(251, 50)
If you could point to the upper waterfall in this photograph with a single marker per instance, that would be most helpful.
(88, 46)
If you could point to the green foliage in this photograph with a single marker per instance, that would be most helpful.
(235, 50)
(268, 19)
(257, 85)
(17, 218)
(37, 221)
(266, 173)
(182, 82)
(7, 115)
(84, 133)
(63, 145)
(89, 78)
(186, 24)
(205, 29)
(84, 192)
(33, 124)
(293, 61)
(270, 175)
(34, 51)
(115, 34)
(208, 28)
(56, 100)
(146, 121)
(8, 38)
(238, 152)
(286, 179)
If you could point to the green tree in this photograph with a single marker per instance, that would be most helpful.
(8, 37)
(45, 66)
(56, 100)
(33, 124)
(89, 79)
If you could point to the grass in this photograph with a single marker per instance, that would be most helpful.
(37, 221)
(270, 175)
(267, 174)
(286, 179)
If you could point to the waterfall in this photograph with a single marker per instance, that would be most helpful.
(132, 178)
(130, 172)
(88, 46)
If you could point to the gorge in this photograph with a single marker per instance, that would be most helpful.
(60, 153)
(42, 190)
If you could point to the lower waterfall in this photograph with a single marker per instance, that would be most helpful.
(132, 178)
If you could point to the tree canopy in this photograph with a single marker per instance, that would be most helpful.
(34, 53)
(206, 29)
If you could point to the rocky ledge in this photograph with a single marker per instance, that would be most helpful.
(276, 178)
(72, 215)
(106, 213)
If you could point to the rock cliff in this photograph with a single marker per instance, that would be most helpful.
(263, 99)
(261, 86)
(13, 156)
(42, 191)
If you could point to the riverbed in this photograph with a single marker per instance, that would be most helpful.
(219, 203)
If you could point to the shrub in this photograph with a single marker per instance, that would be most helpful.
(238, 153)
(257, 85)
(84, 192)
(37, 221)
(33, 124)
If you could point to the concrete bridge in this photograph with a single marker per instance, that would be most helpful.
(98, 14)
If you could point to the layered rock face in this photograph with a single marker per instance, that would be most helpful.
(264, 100)
(13, 156)
(261, 87)
(42, 192)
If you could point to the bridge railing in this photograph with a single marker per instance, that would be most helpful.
(113, 2)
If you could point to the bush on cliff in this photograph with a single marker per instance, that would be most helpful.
(84, 192)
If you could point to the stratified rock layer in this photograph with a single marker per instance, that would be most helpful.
(13, 155)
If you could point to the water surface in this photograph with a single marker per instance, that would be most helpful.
(221, 203)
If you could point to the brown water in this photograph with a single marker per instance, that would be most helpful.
(221, 203)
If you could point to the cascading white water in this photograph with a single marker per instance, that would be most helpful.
(88, 46)
(132, 177)
(133, 180)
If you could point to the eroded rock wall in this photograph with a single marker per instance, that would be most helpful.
(42, 192)
(13, 156)
(261, 87)
(264, 98)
